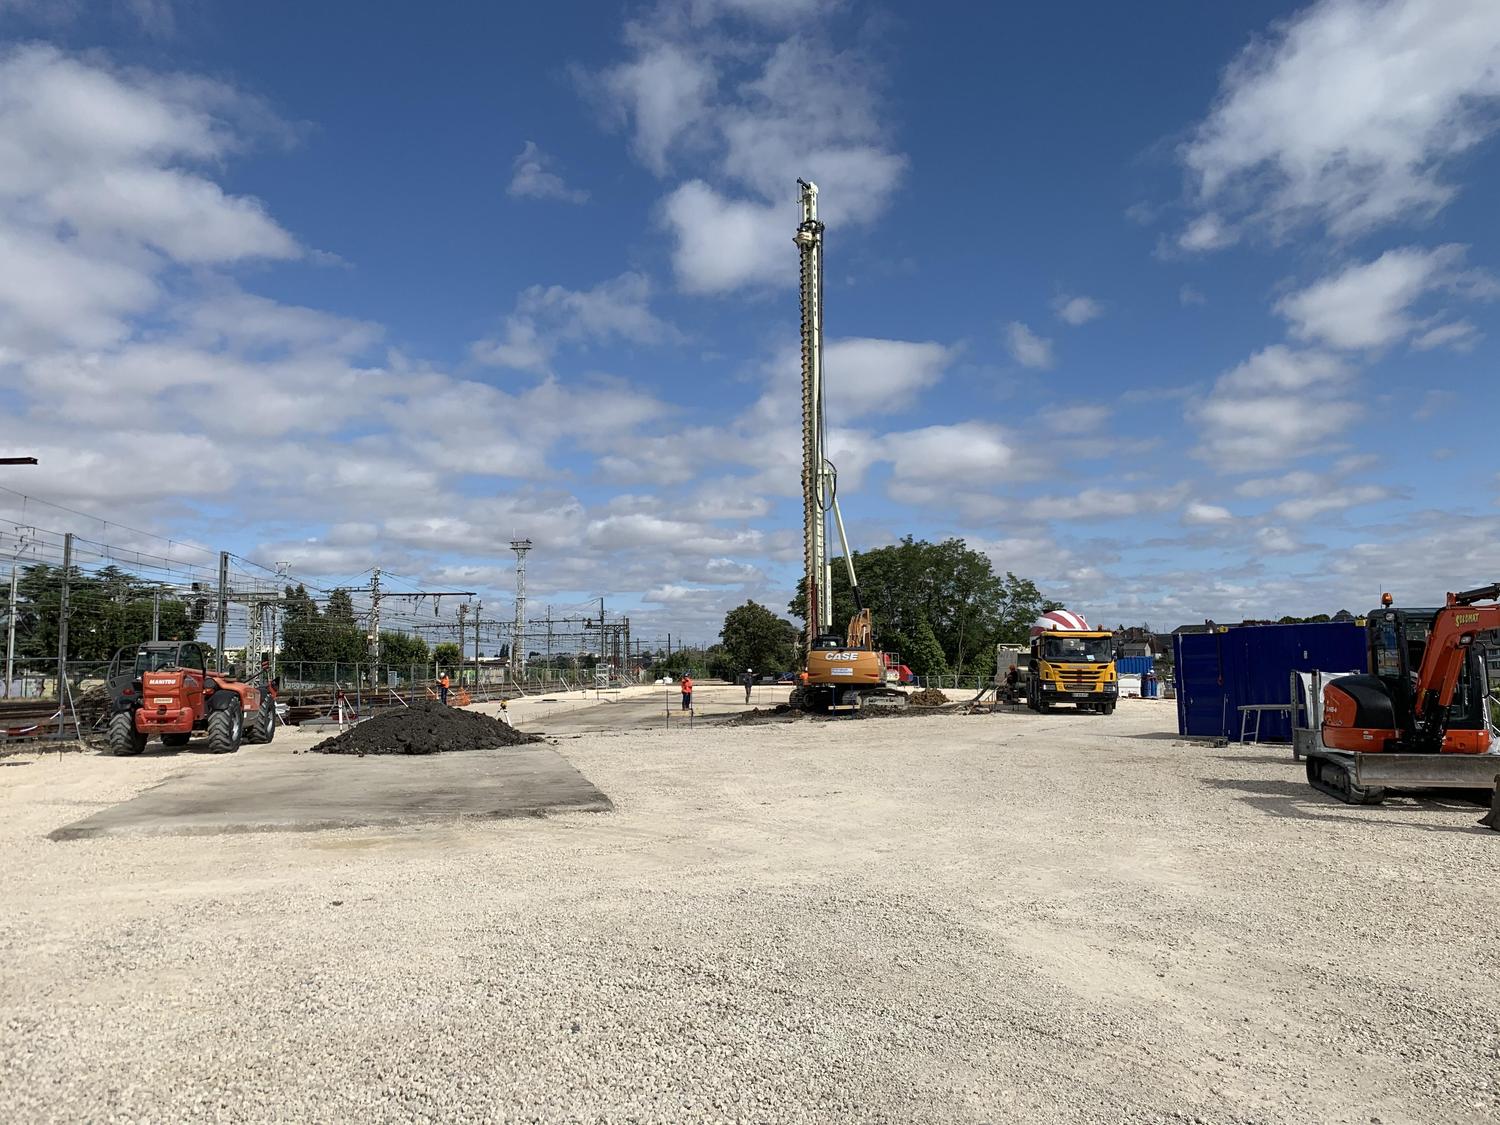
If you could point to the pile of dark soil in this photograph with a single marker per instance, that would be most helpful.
(781, 713)
(927, 697)
(426, 727)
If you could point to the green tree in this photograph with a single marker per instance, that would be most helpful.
(754, 637)
(340, 609)
(108, 609)
(953, 588)
(925, 656)
(448, 655)
(693, 661)
(330, 637)
(301, 630)
(402, 649)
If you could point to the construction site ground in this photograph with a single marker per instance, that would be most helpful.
(951, 918)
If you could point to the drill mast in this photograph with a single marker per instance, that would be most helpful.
(819, 478)
(809, 239)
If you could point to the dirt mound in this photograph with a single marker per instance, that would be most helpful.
(927, 697)
(781, 713)
(425, 727)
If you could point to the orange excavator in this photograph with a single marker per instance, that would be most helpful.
(1419, 717)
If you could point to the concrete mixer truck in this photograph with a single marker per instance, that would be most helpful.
(1068, 662)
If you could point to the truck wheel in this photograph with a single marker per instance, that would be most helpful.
(1107, 709)
(175, 739)
(262, 726)
(225, 728)
(124, 739)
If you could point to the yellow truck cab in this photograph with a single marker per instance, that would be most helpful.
(1069, 664)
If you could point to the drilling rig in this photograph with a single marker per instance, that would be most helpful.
(841, 673)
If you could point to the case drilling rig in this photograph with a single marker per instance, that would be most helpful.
(842, 673)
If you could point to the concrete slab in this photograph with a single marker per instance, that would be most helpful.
(310, 792)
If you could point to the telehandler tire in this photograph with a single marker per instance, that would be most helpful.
(226, 726)
(124, 740)
(262, 728)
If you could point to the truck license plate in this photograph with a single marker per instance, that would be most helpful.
(1080, 695)
(161, 699)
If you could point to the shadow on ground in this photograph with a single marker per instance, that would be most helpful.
(1294, 800)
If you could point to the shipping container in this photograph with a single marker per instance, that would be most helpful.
(1133, 665)
(1220, 672)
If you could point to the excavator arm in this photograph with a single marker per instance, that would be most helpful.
(1453, 632)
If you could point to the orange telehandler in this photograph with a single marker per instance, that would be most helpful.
(169, 692)
(1419, 717)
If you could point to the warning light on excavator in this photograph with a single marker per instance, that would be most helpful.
(1385, 599)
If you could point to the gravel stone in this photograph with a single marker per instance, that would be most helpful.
(947, 919)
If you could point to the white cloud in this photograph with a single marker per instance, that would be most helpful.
(115, 250)
(155, 17)
(721, 244)
(1459, 335)
(1079, 419)
(747, 106)
(1278, 405)
(1295, 482)
(101, 193)
(1335, 500)
(1207, 232)
(768, 11)
(547, 316)
(1346, 115)
(533, 178)
(1199, 514)
(1276, 541)
(889, 374)
(1191, 295)
(663, 91)
(1368, 305)
(1077, 310)
(1026, 347)
(1102, 504)
(973, 452)
(811, 112)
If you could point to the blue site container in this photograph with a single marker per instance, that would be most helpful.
(1132, 665)
(1220, 672)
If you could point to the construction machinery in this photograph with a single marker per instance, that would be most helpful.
(842, 672)
(1419, 717)
(167, 691)
(1012, 672)
(1071, 663)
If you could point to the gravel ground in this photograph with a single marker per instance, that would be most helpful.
(945, 919)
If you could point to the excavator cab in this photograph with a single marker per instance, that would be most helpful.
(1397, 644)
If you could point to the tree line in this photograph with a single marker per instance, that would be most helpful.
(108, 609)
(941, 606)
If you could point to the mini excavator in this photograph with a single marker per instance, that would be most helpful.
(1418, 717)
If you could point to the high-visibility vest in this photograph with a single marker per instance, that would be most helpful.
(687, 683)
(444, 680)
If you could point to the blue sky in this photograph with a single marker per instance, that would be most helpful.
(1184, 312)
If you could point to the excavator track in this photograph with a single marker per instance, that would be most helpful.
(888, 698)
(1334, 775)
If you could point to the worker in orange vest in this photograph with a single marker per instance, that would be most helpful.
(443, 687)
(687, 692)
